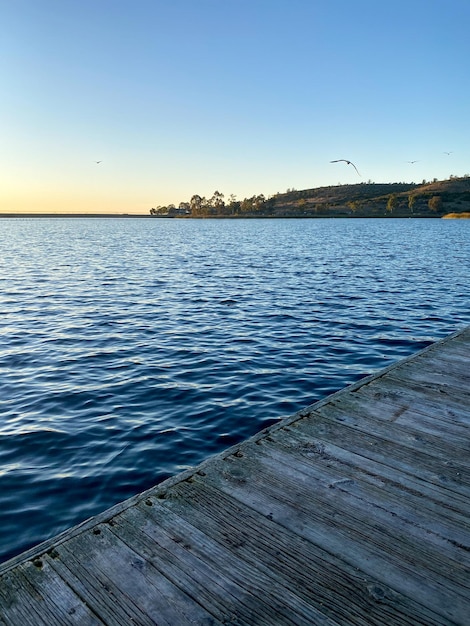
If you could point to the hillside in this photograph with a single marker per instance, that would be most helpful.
(376, 200)
(430, 199)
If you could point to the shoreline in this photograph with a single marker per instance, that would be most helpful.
(221, 217)
(28, 215)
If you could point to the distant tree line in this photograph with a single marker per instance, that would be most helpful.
(216, 206)
(428, 199)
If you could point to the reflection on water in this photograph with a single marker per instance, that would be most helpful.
(132, 349)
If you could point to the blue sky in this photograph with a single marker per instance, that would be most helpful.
(243, 96)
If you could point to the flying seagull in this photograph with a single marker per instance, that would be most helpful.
(412, 161)
(346, 161)
(448, 152)
(98, 161)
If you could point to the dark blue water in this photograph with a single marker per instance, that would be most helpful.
(131, 349)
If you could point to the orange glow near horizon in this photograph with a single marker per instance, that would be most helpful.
(63, 203)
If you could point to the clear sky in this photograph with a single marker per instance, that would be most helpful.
(177, 97)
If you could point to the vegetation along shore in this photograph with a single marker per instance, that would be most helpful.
(446, 198)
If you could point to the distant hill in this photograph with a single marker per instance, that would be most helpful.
(430, 199)
(377, 200)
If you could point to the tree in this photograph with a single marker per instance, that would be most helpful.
(258, 202)
(195, 202)
(411, 201)
(234, 205)
(255, 204)
(198, 205)
(246, 205)
(217, 200)
(160, 210)
(435, 203)
(392, 202)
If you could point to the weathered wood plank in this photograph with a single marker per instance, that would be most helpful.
(456, 344)
(449, 384)
(57, 594)
(137, 585)
(234, 585)
(362, 545)
(96, 590)
(452, 477)
(339, 469)
(410, 407)
(291, 561)
(407, 437)
(347, 497)
(453, 354)
(403, 527)
(21, 604)
(432, 395)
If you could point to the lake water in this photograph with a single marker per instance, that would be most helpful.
(131, 349)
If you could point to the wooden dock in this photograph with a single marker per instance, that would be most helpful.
(354, 511)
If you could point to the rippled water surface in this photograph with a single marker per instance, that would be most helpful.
(131, 349)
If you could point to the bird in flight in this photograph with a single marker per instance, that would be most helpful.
(412, 161)
(98, 161)
(448, 152)
(346, 161)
